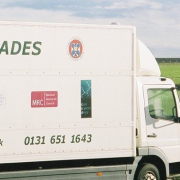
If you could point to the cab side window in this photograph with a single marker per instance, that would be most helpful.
(161, 104)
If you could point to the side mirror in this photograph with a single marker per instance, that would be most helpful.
(177, 119)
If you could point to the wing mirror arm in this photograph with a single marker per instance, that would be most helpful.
(177, 119)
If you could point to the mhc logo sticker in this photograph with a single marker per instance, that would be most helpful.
(44, 99)
(75, 48)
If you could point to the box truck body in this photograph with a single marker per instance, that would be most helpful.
(81, 93)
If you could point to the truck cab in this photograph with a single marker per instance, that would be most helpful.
(158, 137)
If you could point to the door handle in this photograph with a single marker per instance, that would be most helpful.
(152, 135)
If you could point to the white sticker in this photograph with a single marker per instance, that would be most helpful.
(2, 100)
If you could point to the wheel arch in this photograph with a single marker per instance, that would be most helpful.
(153, 155)
(156, 161)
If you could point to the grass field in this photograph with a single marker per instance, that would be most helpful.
(172, 71)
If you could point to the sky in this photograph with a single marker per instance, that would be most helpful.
(157, 21)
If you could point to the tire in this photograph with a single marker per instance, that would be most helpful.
(148, 172)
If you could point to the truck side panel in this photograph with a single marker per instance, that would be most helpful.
(46, 46)
(60, 132)
(88, 173)
(63, 97)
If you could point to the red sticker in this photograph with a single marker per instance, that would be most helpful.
(44, 99)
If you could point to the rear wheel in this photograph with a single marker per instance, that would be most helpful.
(148, 172)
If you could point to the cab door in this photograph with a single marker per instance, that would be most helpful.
(162, 124)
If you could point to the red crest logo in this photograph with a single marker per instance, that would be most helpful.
(75, 48)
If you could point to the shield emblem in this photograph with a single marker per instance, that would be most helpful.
(75, 48)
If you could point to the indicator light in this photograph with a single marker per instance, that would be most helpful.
(99, 173)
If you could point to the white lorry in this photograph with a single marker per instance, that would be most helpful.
(84, 102)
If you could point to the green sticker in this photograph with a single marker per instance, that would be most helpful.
(86, 99)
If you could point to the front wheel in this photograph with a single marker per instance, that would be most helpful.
(148, 172)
